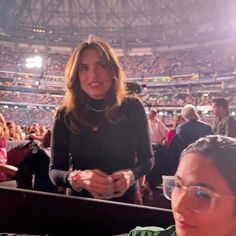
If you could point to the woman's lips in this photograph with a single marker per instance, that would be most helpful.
(184, 224)
(95, 84)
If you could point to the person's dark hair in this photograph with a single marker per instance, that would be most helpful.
(76, 100)
(221, 102)
(221, 151)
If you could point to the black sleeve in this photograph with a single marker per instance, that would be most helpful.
(145, 158)
(59, 163)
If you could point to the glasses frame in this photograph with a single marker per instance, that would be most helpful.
(213, 195)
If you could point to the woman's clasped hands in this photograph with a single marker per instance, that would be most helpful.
(99, 184)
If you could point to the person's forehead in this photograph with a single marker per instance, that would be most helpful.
(196, 168)
(91, 54)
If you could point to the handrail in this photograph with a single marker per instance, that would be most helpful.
(8, 169)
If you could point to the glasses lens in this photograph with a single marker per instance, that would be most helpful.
(168, 186)
(201, 198)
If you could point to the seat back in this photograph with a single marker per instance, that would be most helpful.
(19, 151)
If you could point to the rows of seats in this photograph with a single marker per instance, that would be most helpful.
(182, 61)
(28, 164)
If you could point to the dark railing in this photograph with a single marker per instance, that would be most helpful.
(34, 212)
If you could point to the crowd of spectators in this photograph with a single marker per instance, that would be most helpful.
(44, 115)
(29, 106)
(173, 99)
(30, 98)
(28, 115)
(171, 62)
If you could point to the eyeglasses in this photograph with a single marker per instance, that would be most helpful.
(202, 198)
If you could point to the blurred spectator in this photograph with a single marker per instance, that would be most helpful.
(4, 135)
(193, 128)
(223, 124)
(158, 130)
(46, 142)
(172, 132)
(13, 135)
(20, 132)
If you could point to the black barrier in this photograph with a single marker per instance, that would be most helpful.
(33, 212)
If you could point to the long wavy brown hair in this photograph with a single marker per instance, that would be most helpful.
(4, 131)
(76, 100)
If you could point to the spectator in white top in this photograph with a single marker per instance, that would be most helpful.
(158, 131)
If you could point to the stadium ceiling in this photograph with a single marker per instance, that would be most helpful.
(124, 23)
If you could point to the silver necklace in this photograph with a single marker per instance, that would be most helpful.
(95, 128)
(96, 110)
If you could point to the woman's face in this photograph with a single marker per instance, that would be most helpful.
(195, 170)
(94, 75)
(11, 127)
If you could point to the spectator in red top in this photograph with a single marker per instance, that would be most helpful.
(172, 132)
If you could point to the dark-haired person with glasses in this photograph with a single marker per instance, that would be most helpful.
(202, 192)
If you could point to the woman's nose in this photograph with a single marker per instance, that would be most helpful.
(180, 202)
(92, 73)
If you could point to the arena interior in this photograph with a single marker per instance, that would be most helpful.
(173, 52)
(177, 52)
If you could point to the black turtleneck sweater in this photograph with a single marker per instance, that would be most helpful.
(108, 147)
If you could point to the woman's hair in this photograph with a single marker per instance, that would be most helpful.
(12, 129)
(76, 100)
(177, 120)
(221, 151)
(4, 131)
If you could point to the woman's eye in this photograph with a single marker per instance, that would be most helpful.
(102, 66)
(83, 68)
(203, 195)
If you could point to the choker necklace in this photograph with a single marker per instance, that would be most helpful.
(96, 110)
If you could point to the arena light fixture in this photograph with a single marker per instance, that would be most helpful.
(34, 62)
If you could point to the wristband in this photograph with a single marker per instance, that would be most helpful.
(132, 179)
(73, 179)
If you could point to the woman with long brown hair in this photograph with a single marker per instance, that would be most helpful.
(100, 140)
